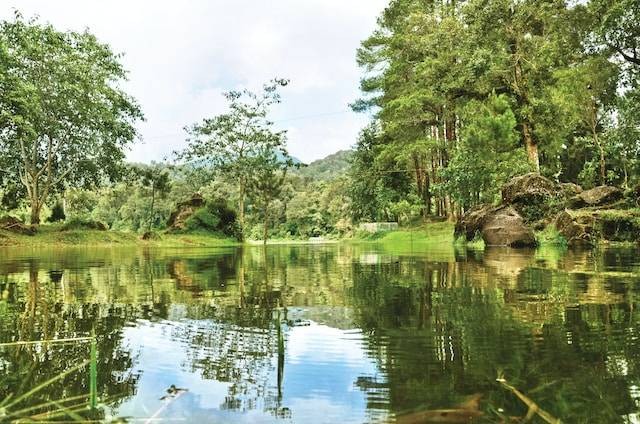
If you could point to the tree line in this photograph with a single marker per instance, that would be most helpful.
(464, 95)
(467, 94)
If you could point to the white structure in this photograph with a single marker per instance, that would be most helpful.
(374, 227)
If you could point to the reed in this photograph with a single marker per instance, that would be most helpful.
(70, 407)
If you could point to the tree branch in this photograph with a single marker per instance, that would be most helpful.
(633, 59)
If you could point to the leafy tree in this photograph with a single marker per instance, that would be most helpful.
(234, 141)
(267, 182)
(487, 155)
(374, 185)
(64, 121)
(587, 93)
(528, 42)
(617, 27)
(155, 179)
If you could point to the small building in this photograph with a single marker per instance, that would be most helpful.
(374, 227)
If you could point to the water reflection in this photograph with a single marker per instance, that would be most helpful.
(326, 333)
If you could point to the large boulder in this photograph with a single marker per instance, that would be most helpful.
(532, 195)
(505, 227)
(577, 229)
(184, 210)
(570, 190)
(498, 226)
(526, 187)
(599, 196)
(588, 226)
(13, 224)
(470, 224)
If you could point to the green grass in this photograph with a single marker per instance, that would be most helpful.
(55, 235)
(433, 233)
(550, 237)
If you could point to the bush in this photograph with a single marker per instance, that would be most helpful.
(57, 213)
(217, 217)
(551, 235)
(80, 204)
(83, 224)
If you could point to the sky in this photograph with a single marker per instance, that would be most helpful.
(182, 55)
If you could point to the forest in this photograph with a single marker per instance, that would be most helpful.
(463, 96)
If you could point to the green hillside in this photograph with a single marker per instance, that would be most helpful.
(328, 168)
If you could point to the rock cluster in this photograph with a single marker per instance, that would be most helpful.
(532, 201)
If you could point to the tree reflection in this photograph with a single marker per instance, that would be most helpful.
(441, 332)
(560, 325)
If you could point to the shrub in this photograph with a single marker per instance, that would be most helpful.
(83, 224)
(217, 217)
(551, 235)
(57, 213)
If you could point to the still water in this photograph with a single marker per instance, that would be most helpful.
(320, 334)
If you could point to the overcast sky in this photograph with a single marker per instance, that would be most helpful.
(181, 55)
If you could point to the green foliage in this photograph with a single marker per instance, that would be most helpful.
(70, 128)
(215, 217)
(550, 236)
(374, 187)
(57, 213)
(240, 141)
(487, 155)
(79, 204)
(459, 88)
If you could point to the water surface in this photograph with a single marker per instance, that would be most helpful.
(323, 333)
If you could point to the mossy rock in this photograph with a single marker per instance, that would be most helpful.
(14, 225)
(590, 226)
(534, 197)
(528, 186)
(470, 224)
(615, 225)
(596, 197)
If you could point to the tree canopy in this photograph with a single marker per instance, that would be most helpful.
(64, 119)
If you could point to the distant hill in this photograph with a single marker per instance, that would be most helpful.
(328, 168)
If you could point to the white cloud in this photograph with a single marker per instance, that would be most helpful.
(183, 55)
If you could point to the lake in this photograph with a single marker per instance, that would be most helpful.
(336, 333)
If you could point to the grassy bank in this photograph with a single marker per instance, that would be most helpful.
(433, 233)
(55, 235)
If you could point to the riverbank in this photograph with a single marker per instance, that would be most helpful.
(56, 235)
(415, 236)
(432, 233)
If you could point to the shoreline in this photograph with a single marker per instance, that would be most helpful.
(429, 234)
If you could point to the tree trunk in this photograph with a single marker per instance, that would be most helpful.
(265, 233)
(594, 131)
(603, 166)
(36, 208)
(153, 200)
(241, 205)
(531, 146)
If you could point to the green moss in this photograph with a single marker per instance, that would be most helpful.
(619, 225)
(550, 236)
